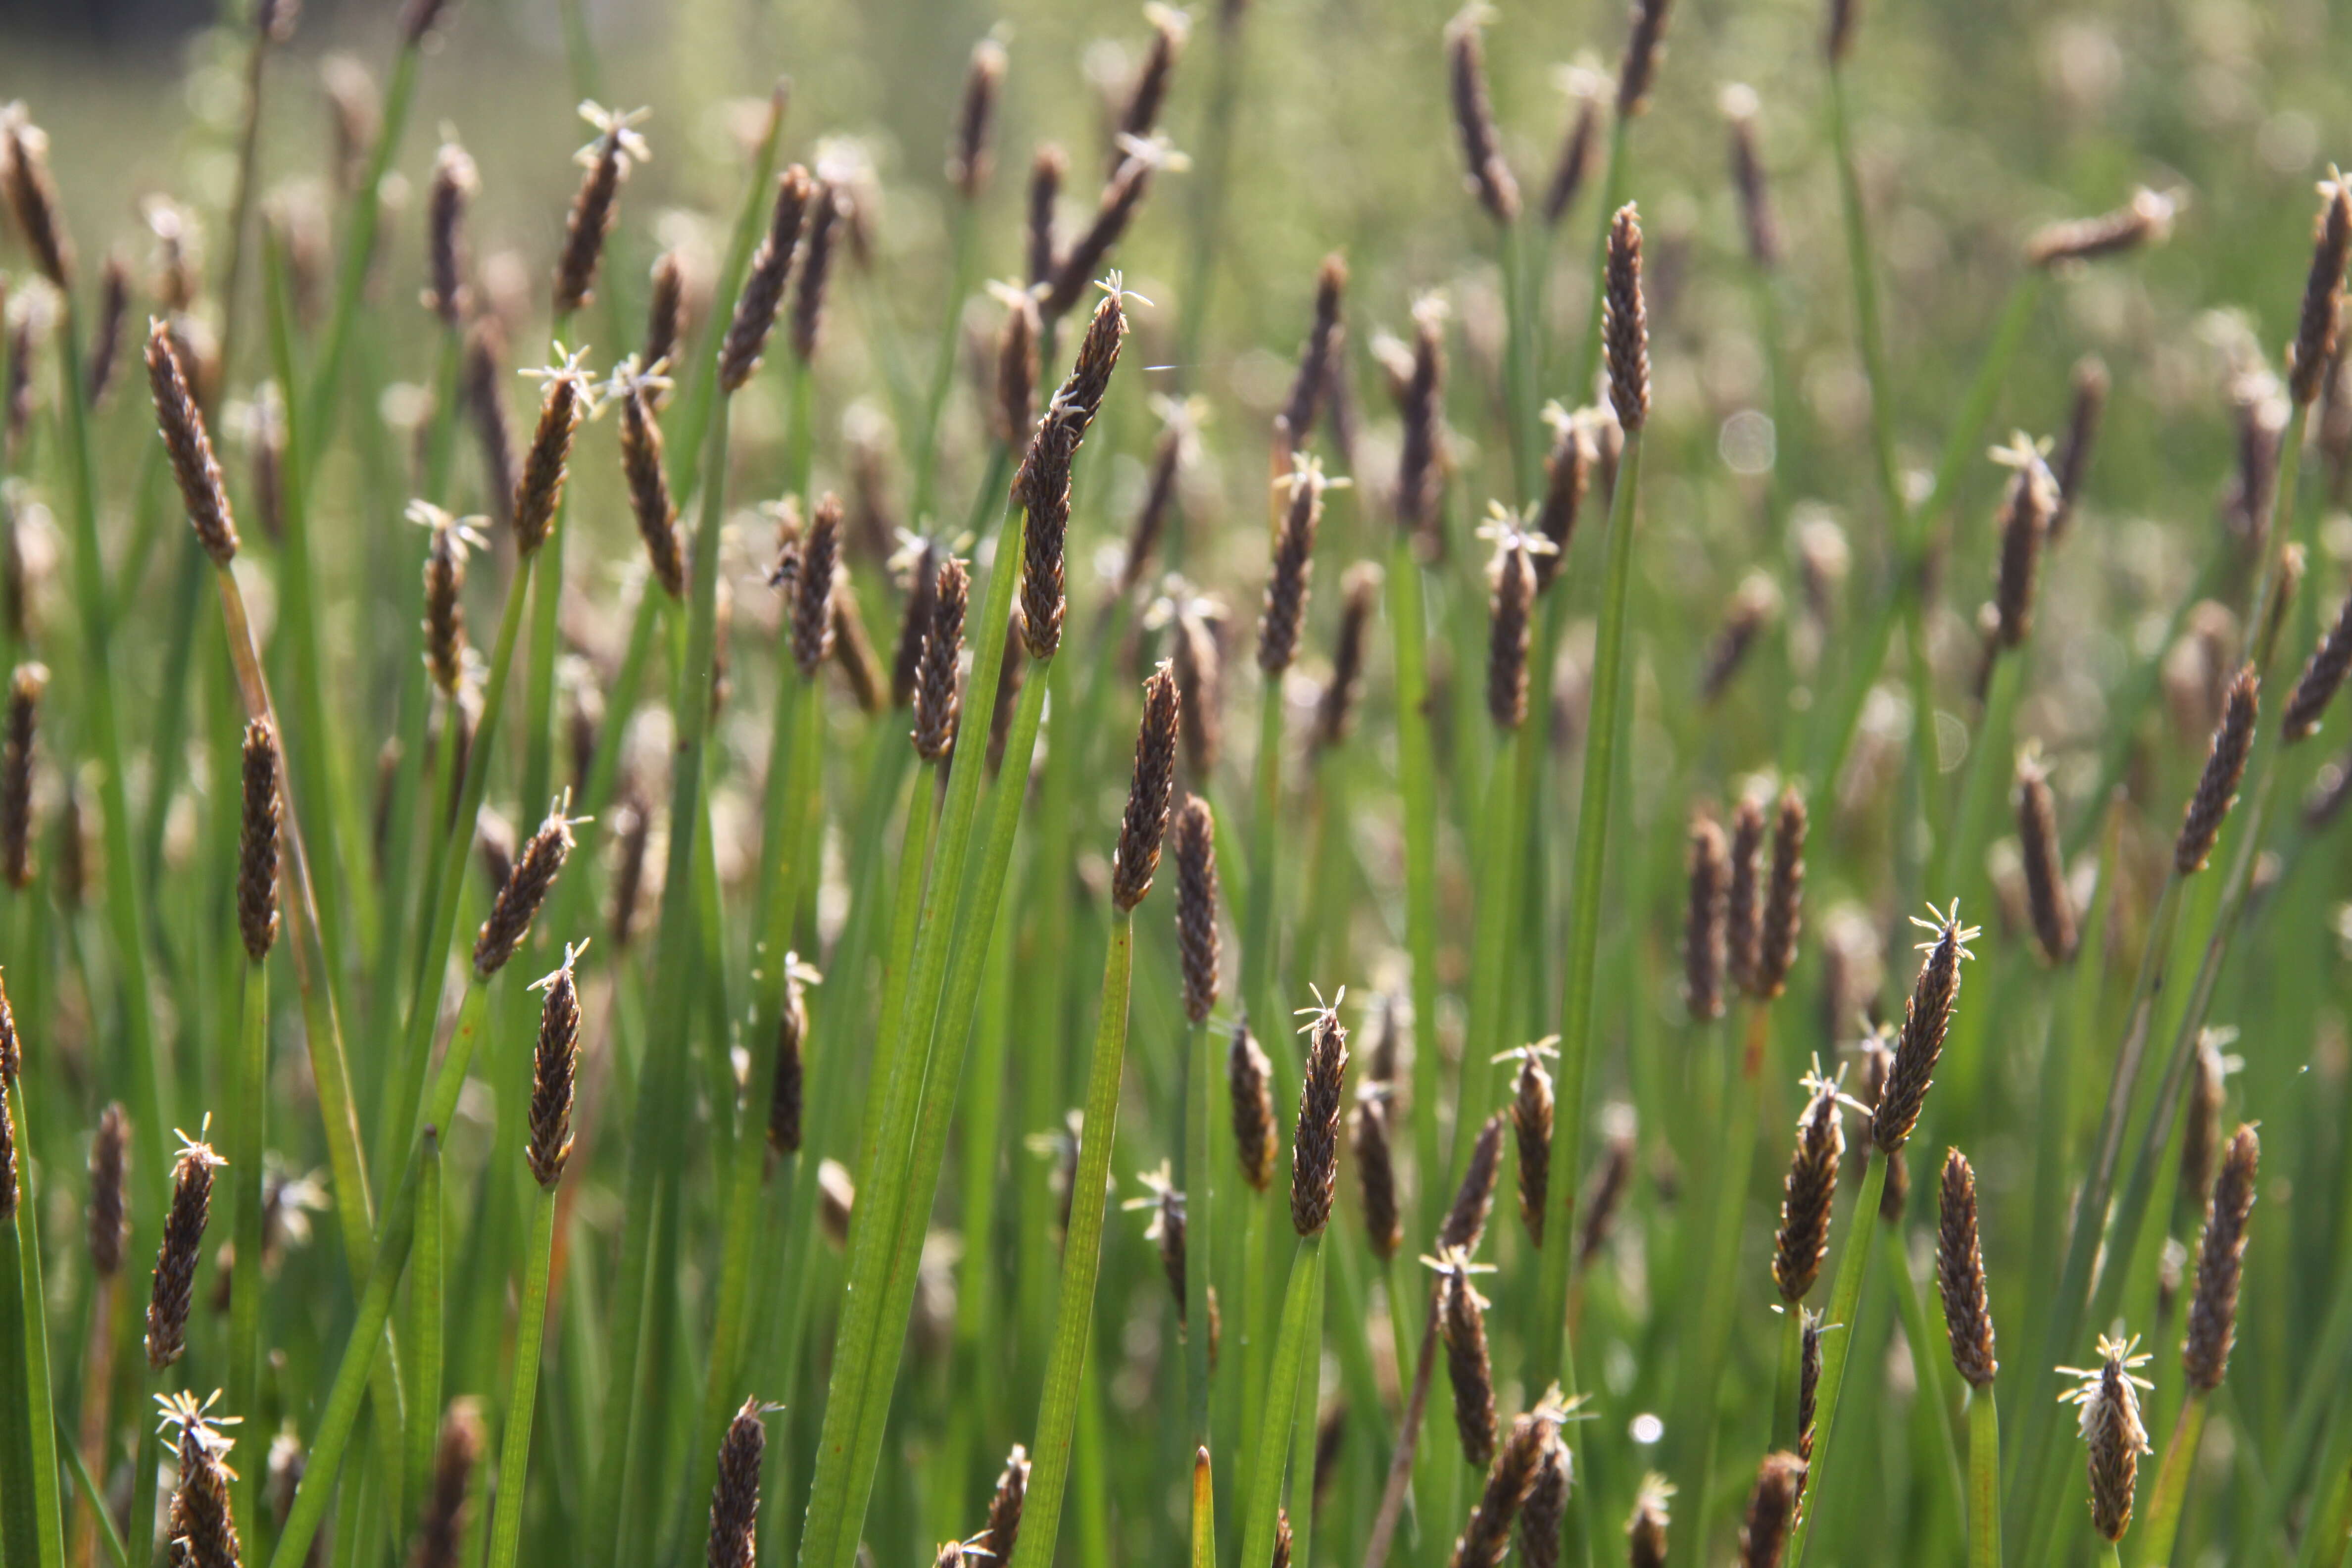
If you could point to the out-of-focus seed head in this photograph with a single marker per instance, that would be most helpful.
(735, 1494)
(1703, 919)
(1486, 171)
(17, 744)
(1169, 30)
(567, 397)
(1326, 341)
(1742, 920)
(441, 1538)
(1626, 325)
(2323, 673)
(827, 206)
(1335, 707)
(2200, 1114)
(1784, 897)
(1645, 1530)
(1587, 88)
(1376, 1170)
(763, 285)
(1003, 1532)
(836, 1193)
(182, 1249)
(1960, 1275)
(106, 337)
(1645, 45)
(2225, 765)
(1772, 1511)
(555, 1068)
(1809, 1190)
(1247, 1073)
(2221, 1257)
(2072, 463)
(1567, 476)
(810, 585)
(937, 700)
(2047, 899)
(1739, 106)
(1464, 1224)
(1179, 444)
(486, 404)
(1150, 791)
(1418, 380)
(1518, 1466)
(968, 152)
(1043, 485)
(1531, 1128)
(665, 318)
(920, 560)
(418, 19)
(1606, 1198)
(1315, 1148)
(455, 182)
(2108, 1397)
(1294, 550)
(2026, 508)
(444, 582)
(1046, 171)
(1511, 593)
(635, 387)
(2144, 220)
(517, 902)
(1017, 365)
(1469, 1368)
(109, 1223)
(1196, 905)
(2323, 292)
(33, 194)
(1198, 660)
(1076, 267)
(202, 490)
(1752, 609)
(257, 875)
(786, 1099)
(607, 162)
(1926, 1019)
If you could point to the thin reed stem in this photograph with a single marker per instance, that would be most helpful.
(1297, 1345)
(2160, 1535)
(1984, 1477)
(1714, 1237)
(427, 1331)
(1845, 1299)
(251, 1077)
(23, 1298)
(514, 1449)
(1417, 783)
(1198, 1179)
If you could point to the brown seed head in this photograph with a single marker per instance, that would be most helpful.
(1531, 1126)
(106, 337)
(1752, 609)
(1150, 790)
(1282, 1540)
(818, 555)
(10, 1192)
(2146, 219)
(202, 1528)
(2221, 1254)
(1926, 1019)
(1005, 1507)
(786, 1097)
(202, 489)
(1196, 905)
(1046, 171)
(2225, 765)
(1608, 1190)
(1043, 485)
(555, 1067)
(182, 1249)
(1076, 267)
(455, 181)
(1960, 1276)
(1577, 147)
(764, 286)
(2052, 907)
(607, 160)
(1335, 709)
(257, 874)
(1772, 1511)
(1626, 325)
(107, 1223)
(1567, 476)
(2323, 673)
(735, 1495)
(517, 902)
(1294, 553)
(641, 464)
(441, 1538)
(937, 697)
(1742, 932)
(1784, 898)
(2200, 1114)
(1169, 29)
(26, 684)
(2323, 292)
(1645, 1530)
(922, 599)
(566, 397)
(1246, 1075)
(1761, 228)
(1809, 1191)
(1521, 1460)
(1421, 410)
(1314, 1150)
(1703, 919)
(1466, 1222)
(2072, 465)
(1511, 583)
(1376, 1170)
(2025, 511)
(1178, 436)
(1016, 366)
(967, 159)
(2113, 1434)
(1488, 174)
(665, 318)
(33, 194)
(486, 404)
(827, 207)
(1325, 341)
(1809, 1377)
(445, 585)
(1198, 664)
(1645, 46)
(1462, 1324)
(1545, 1511)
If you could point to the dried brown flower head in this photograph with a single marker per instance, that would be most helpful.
(202, 490)
(2323, 292)
(1315, 1148)
(1772, 1511)
(1488, 174)
(1294, 550)
(1624, 321)
(18, 742)
(1148, 794)
(617, 149)
(2225, 765)
(2108, 1400)
(1196, 905)
(181, 1250)
(566, 397)
(735, 1494)
(968, 156)
(1960, 1275)
(2220, 1256)
(937, 700)
(1247, 1073)
(518, 901)
(1809, 1190)
(2146, 219)
(257, 875)
(1042, 484)
(1469, 1368)
(1926, 1019)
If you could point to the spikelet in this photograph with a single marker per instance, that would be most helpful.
(1742, 933)
(2146, 219)
(1703, 919)
(109, 1224)
(1531, 1129)
(106, 336)
(1809, 1331)
(1014, 408)
(526, 888)
(938, 701)
(2025, 511)
(1877, 1054)
(1645, 1530)
(1178, 436)
(1318, 359)
(1045, 171)
(418, 19)
(967, 159)
(11, 1193)
(2323, 291)
(1199, 665)
(735, 1494)
(1196, 905)
(1960, 1276)
(1582, 139)
(33, 194)
(920, 560)
(1294, 551)
(810, 585)
(1567, 476)
(1784, 897)
(1004, 1530)
(1150, 791)
(1752, 610)
(256, 873)
(487, 405)
(1606, 1198)
(1421, 409)
(2225, 765)
(836, 1194)
(1511, 592)
(1644, 47)
(2047, 899)
(1545, 1511)
(1376, 1170)
(1334, 706)
(1809, 1191)
(1314, 1148)
(555, 1067)
(2323, 673)
(441, 1536)
(636, 388)
(1169, 29)
(1926, 1019)
(665, 318)
(18, 742)
(786, 1099)
(608, 160)
(1075, 269)
(1246, 1075)
(1487, 175)
(1761, 229)
(2113, 1435)
(181, 422)
(1281, 1558)
(2072, 463)
(1042, 484)
(1772, 1511)
(852, 650)
(182, 1249)
(1466, 1220)
(2201, 1112)
(1462, 1324)
(1625, 330)
(202, 1528)
(566, 397)
(2220, 1256)
(455, 182)
(827, 206)
(1522, 1458)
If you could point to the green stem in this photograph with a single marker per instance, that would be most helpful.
(427, 1331)
(1204, 1511)
(1498, 919)
(358, 256)
(1417, 783)
(1717, 1232)
(1304, 1425)
(1292, 1353)
(1081, 1260)
(116, 1552)
(1199, 1182)
(1867, 327)
(1845, 1300)
(24, 1331)
(1934, 1370)
(249, 1141)
(2159, 1538)
(514, 1453)
(1984, 1478)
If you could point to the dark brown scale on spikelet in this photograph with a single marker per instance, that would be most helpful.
(1314, 1148)
(554, 1068)
(109, 1224)
(2113, 1435)
(1003, 1532)
(564, 401)
(26, 684)
(852, 650)
(1752, 609)
(1382, 1056)
(33, 196)
(787, 1098)
(10, 1192)
(1421, 410)
(1170, 29)
(1784, 899)
(486, 404)
(2284, 585)
(641, 464)
(1150, 791)
(2052, 907)
(1286, 585)
(2225, 765)
(202, 1528)
(1046, 171)
(1017, 367)
(12, 1046)
(735, 1494)
(1473, 1200)
(607, 160)
(1877, 1065)
(1282, 1540)
(1926, 1019)
(517, 902)
(106, 337)
(1376, 1170)
(1486, 1535)
(1645, 1529)
(1487, 172)
(1757, 223)
(441, 1538)
(1960, 1276)
(968, 155)
(665, 318)
(811, 586)
(1196, 905)
(2024, 524)
(1742, 932)
(2214, 1310)
(2201, 1114)
(1043, 485)
(937, 700)
(1807, 1192)
(1574, 166)
(922, 600)
(1531, 1127)
(1074, 271)
(1512, 591)
(631, 830)
(1011, 671)
(1246, 1075)
(2072, 464)
(1809, 1331)
(182, 1249)
(1567, 476)
(2146, 219)
(202, 490)
(1704, 933)
(1198, 664)
(827, 207)
(1545, 1511)
(1626, 325)
(1469, 1369)
(455, 181)
(2323, 673)
(2323, 292)
(1335, 707)
(763, 286)
(24, 353)
(1772, 1511)
(1324, 339)
(1645, 46)
(257, 865)
(1606, 1198)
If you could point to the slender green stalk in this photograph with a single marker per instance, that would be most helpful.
(514, 1452)
(1417, 783)
(1936, 1374)
(251, 1137)
(1715, 1237)
(1503, 852)
(110, 1537)
(963, 264)
(1081, 1260)
(359, 252)
(1305, 1428)
(1845, 1298)
(1211, 186)
(1579, 1010)
(1785, 1378)
(2159, 1538)
(1297, 1345)
(1204, 1511)
(20, 1533)
(1522, 302)
(539, 682)
(24, 1329)
(427, 1331)
(1199, 1180)
(1871, 336)
(1984, 1478)
(1259, 957)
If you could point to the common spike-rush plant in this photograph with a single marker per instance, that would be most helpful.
(722, 576)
